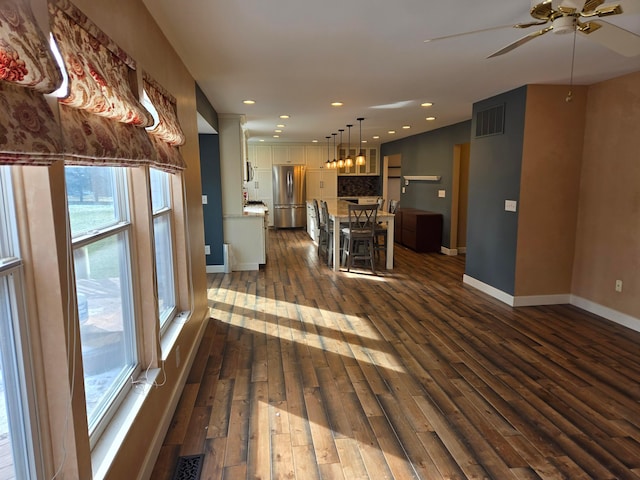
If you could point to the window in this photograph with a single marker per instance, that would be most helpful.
(100, 232)
(162, 232)
(16, 447)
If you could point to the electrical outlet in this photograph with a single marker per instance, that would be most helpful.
(510, 205)
(618, 286)
(205, 200)
(207, 250)
(442, 193)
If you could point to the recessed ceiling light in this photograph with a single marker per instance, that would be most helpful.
(406, 127)
(426, 104)
(375, 137)
(276, 136)
(430, 119)
(262, 139)
(278, 131)
(391, 132)
(280, 125)
(314, 141)
(336, 104)
(364, 141)
(284, 116)
(248, 102)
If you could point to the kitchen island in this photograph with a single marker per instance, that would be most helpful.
(246, 235)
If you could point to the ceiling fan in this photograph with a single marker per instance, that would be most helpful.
(575, 16)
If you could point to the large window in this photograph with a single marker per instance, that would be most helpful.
(161, 206)
(100, 232)
(16, 447)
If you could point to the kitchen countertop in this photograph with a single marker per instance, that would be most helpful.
(255, 210)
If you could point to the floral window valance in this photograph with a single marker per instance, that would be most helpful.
(29, 134)
(102, 120)
(166, 135)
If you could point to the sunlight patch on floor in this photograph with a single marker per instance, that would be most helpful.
(336, 332)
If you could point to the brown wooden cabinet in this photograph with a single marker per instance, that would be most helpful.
(419, 230)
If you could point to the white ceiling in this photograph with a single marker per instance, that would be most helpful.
(297, 56)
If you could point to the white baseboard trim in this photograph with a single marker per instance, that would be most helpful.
(452, 252)
(488, 289)
(606, 312)
(462, 250)
(561, 299)
(535, 300)
(215, 268)
(156, 442)
(244, 267)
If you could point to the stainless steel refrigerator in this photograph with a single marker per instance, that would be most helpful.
(289, 192)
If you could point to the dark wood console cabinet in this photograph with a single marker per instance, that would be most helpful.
(419, 230)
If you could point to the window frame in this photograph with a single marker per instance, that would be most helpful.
(165, 212)
(21, 396)
(121, 227)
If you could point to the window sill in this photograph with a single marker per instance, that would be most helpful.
(109, 444)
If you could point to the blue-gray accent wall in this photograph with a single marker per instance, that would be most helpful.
(494, 176)
(430, 153)
(212, 188)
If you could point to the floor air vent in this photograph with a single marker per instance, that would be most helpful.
(189, 468)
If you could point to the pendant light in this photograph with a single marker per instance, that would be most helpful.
(338, 163)
(360, 159)
(341, 146)
(349, 161)
(328, 162)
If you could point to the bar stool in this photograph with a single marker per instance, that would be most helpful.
(359, 236)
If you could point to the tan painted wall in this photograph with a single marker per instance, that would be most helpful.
(608, 232)
(548, 206)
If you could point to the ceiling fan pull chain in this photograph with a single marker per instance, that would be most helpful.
(569, 96)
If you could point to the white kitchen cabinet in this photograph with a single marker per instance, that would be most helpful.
(261, 189)
(288, 155)
(316, 156)
(245, 235)
(322, 184)
(260, 156)
(371, 167)
(312, 229)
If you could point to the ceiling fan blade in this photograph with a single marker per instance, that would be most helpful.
(520, 42)
(618, 39)
(591, 5)
(472, 32)
(530, 24)
(606, 11)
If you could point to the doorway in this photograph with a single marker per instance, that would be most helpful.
(392, 177)
(460, 198)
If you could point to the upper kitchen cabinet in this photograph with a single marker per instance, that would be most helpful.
(260, 156)
(288, 154)
(316, 156)
(370, 167)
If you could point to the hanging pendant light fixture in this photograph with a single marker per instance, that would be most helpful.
(328, 162)
(339, 163)
(340, 146)
(360, 159)
(349, 161)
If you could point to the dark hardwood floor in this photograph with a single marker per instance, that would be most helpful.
(305, 373)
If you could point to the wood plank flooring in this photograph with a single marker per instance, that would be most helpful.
(305, 373)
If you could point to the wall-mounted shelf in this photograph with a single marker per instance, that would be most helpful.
(423, 178)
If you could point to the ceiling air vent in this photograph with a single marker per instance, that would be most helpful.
(490, 121)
